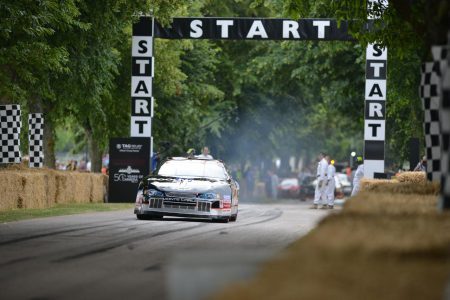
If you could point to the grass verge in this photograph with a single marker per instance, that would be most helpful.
(60, 210)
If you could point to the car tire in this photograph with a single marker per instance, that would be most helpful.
(221, 220)
(141, 217)
(148, 217)
(233, 218)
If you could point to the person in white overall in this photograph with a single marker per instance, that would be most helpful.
(320, 192)
(359, 174)
(331, 183)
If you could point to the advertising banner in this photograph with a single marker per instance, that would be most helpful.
(129, 162)
(254, 29)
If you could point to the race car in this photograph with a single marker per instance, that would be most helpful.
(188, 187)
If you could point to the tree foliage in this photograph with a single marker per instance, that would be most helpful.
(247, 100)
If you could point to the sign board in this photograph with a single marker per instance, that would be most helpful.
(129, 162)
(143, 65)
(254, 29)
(142, 73)
(375, 110)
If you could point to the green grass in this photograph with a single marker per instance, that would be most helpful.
(60, 210)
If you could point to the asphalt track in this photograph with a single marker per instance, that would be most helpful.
(112, 255)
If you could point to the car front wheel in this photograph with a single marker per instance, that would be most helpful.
(148, 217)
(141, 217)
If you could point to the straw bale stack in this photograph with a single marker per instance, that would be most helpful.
(389, 242)
(400, 236)
(10, 184)
(412, 177)
(395, 187)
(368, 202)
(21, 187)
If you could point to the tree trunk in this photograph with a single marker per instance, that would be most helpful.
(95, 153)
(49, 141)
(36, 105)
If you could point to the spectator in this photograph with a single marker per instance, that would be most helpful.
(274, 182)
(250, 181)
(422, 165)
(359, 174)
(320, 191)
(190, 153)
(205, 154)
(268, 183)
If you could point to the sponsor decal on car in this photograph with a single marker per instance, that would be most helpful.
(226, 201)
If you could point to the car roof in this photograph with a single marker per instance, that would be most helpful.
(181, 158)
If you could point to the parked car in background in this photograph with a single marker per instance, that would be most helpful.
(346, 185)
(289, 188)
(307, 188)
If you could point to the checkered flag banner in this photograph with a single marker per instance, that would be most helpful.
(10, 124)
(429, 94)
(35, 140)
(442, 55)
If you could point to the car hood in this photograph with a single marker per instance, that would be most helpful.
(184, 185)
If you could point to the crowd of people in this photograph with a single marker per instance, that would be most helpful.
(81, 165)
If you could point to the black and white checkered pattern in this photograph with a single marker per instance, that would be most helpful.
(10, 124)
(429, 93)
(442, 55)
(35, 140)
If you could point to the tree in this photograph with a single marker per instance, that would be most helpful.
(407, 29)
(30, 57)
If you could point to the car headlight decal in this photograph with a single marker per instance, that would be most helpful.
(209, 196)
(155, 193)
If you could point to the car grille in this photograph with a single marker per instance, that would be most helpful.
(180, 203)
(155, 203)
(204, 206)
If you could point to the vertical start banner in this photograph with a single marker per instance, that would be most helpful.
(375, 104)
(142, 73)
(129, 163)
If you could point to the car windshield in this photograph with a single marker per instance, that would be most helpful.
(194, 168)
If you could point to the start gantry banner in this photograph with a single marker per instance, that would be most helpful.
(254, 29)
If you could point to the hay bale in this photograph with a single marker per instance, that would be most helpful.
(83, 185)
(10, 184)
(370, 184)
(33, 190)
(21, 187)
(97, 188)
(73, 187)
(425, 236)
(368, 202)
(62, 188)
(412, 177)
(80, 187)
(395, 187)
(358, 257)
(308, 274)
(379, 247)
(50, 187)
